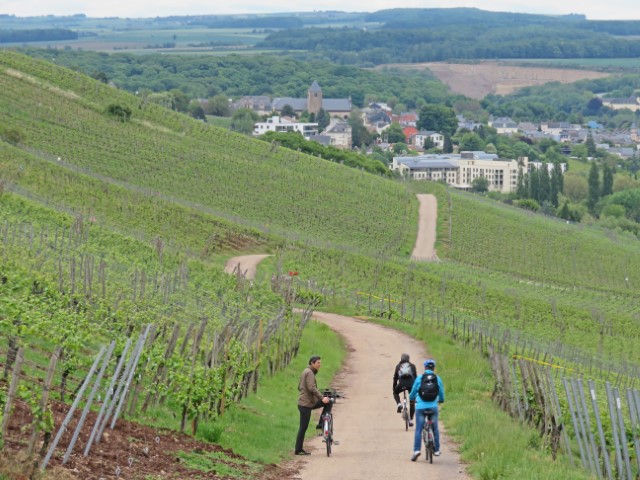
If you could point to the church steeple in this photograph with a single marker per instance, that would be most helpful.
(314, 98)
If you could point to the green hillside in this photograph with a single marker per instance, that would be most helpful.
(115, 214)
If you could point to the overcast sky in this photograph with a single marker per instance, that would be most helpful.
(593, 9)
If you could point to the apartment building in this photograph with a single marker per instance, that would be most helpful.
(459, 170)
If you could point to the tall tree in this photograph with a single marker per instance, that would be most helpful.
(521, 190)
(438, 118)
(395, 134)
(591, 145)
(243, 120)
(594, 186)
(447, 147)
(323, 119)
(545, 183)
(360, 136)
(534, 184)
(607, 180)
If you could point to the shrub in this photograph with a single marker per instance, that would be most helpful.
(528, 204)
(119, 112)
(12, 136)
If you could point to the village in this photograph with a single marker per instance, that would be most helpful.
(425, 158)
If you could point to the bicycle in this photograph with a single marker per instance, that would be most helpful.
(405, 410)
(327, 421)
(427, 435)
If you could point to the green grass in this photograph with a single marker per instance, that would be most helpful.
(263, 427)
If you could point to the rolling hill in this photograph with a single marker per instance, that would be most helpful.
(116, 214)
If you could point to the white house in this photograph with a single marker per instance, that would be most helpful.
(278, 124)
(340, 133)
(418, 139)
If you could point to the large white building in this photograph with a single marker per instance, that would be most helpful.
(277, 124)
(459, 170)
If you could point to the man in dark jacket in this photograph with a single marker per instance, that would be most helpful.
(404, 375)
(309, 399)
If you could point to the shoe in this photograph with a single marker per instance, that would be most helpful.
(302, 452)
(319, 426)
(411, 424)
(399, 408)
(415, 456)
(437, 454)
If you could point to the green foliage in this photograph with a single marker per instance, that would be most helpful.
(205, 76)
(528, 204)
(12, 135)
(594, 187)
(347, 157)
(123, 114)
(438, 118)
(480, 184)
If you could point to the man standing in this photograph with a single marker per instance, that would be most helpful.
(403, 377)
(428, 389)
(309, 399)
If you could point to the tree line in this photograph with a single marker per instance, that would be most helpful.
(351, 46)
(37, 35)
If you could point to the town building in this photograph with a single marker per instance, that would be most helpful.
(278, 124)
(335, 107)
(460, 170)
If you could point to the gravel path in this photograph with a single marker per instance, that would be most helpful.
(426, 239)
(373, 443)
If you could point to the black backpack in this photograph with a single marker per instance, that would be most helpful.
(429, 388)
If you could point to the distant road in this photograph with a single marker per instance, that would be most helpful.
(427, 219)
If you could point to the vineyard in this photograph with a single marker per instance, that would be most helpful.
(114, 230)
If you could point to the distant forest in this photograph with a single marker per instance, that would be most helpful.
(37, 35)
(425, 35)
(202, 76)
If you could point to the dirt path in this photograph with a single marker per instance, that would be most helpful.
(373, 442)
(426, 239)
(247, 264)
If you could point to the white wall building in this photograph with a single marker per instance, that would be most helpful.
(459, 170)
(277, 124)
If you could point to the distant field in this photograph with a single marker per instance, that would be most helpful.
(480, 79)
(142, 39)
(599, 63)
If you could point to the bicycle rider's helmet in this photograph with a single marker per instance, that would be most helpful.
(430, 364)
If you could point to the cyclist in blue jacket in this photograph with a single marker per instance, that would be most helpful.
(422, 405)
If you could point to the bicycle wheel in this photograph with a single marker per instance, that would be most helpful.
(405, 415)
(430, 444)
(328, 435)
(425, 440)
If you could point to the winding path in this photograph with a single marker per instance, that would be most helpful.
(373, 444)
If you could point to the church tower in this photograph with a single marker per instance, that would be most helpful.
(314, 98)
(634, 132)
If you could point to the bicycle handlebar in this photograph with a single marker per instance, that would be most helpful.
(332, 394)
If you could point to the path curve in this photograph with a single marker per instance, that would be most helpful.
(246, 263)
(424, 249)
(373, 442)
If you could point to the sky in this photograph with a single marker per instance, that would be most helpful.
(593, 9)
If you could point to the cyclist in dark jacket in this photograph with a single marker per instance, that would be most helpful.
(422, 405)
(404, 382)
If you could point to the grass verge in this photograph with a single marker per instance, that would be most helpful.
(263, 426)
(494, 445)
